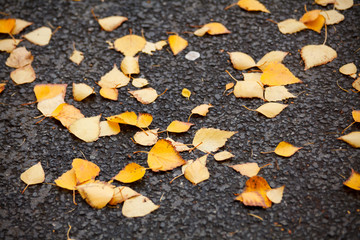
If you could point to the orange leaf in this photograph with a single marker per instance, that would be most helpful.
(258, 185)
(84, 170)
(286, 149)
(353, 181)
(252, 199)
(130, 173)
(252, 5)
(130, 45)
(179, 127)
(276, 74)
(356, 115)
(67, 114)
(109, 93)
(67, 180)
(177, 44)
(310, 16)
(130, 118)
(96, 194)
(46, 91)
(213, 28)
(7, 25)
(163, 157)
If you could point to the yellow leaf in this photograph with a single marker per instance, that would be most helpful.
(138, 206)
(353, 181)
(108, 128)
(247, 169)
(213, 28)
(67, 114)
(149, 48)
(275, 195)
(178, 126)
(277, 93)
(317, 24)
(81, 91)
(315, 55)
(289, 26)
(252, 5)
(144, 120)
(145, 95)
(130, 173)
(77, 56)
(20, 25)
(23, 75)
(352, 138)
(129, 118)
(146, 138)
(109, 93)
(241, 61)
(332, 17)
(248, 89)
(46, 91)
(130, 45)
(222, 156)
(324, 2)
(48, 106)
(356, 115)
(20, 57)
(121, 194)
(348, 69)
(286, 149)
(96, 194)
(254, 199)
(310, 16)
(273, 56)
(160, 44)
(130, 65)
(8, 45)
(86, 129)
(356, 84)
(7, 25)
(258, 186)
(276, 74)
(40, 36)
(177, 44)
(139, 82)
(211, 139)
(84, 170)
(196, 172)
(186, 93)
(164, 157)
(111, 23)
(2, 87)
(180, 147)
(202, 109)
(114, 79)
(33, 175)
(271, 110)
(67, 180)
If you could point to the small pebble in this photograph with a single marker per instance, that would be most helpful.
(192, 55)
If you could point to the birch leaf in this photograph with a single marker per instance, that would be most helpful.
(86, 129)
(177, 44)
(241, 61)
(211, 139)
(40, 36)
(138, 206)
(130, 45)
(271, 110)
(315, 55)
(352, 138)
(111, 23)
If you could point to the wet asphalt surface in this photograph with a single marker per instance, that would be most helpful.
(315, 205)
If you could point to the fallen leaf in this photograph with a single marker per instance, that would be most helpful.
(254, 193)
(77, 56)
(177, 44)
(276, 74)
(222, 156)
(86, 129)
(40, 36)
(138, 206)
(275, 195)
(121, 194)
(315, 55)
(145, 95)
(84, 170)
(7, 25)
(211, 139)
(273, 56)
(23, 75)
(286, 149)
(252, 5)
(313, 20)
(149, 48)
(352, 138)
(109, 93)
(67, 114)
(248, 89)
(130, 45)
(144, 120)
(2, 87)
(81, 91)
(146, 138)
(163, 156)
(332, 17)
(271, 110)
(356, 84)
(46, 91)
(114, 79)
(111, 23)
(247, 169)
(33, 175)
(241, 61)
(180, 147)
(202, 109)
(48, 106)
(139, 82)
(130, 118)
(19, 57)
(213, 28)
(343, 4)
(289, 26)
(130, 65)
(108, 128)
(96, 194)
(160, 44)
(196, 172)
(254, 199)
(356, 115)
(353, 181)
(186, 93)
(229, 86)
(19, 26)
(8, 45)
(348, 69)
(130, 173)
(277, 93)
(324, 2)
(178, 126)
(255, 77)
(67, 180)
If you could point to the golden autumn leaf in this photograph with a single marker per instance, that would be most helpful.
(7, 25)
(23, 75)
(254, 199)
(144, 120)
(213, 28)
(130, 45)
(289, 26)
(222, 156)
(178, 126)
(40, 36)
(82, 91)
(86, 129)
(130, 65)
(277, 93)
(114, 79)
(108, 128)
(146, 138)
(177, 44)
(211, 139)
(84, 170)
(2, 87)
(276, 74)
(313, 20)
(121, 194)
(252, 5)
(271, 110)
(286, 149)
(111, 23)
(315, 55)
(130, 173)
(202, 109)
(138, 206)
(248, 89)
(275, 195)
(8, 45)
(48, 106)
(130, 118)
(46, 91)
(241, 61)
(353, 181)
(352, 138)
(332, 17)
(20, 57)
(67, 114)
(254, 193)
(163, 156)
(196, 172)
(247, 169)
(273, 56)
(96, 194)
(356, 115)
(145, 95)
(356, 84)
(109, 93)
(33, 175)
(19, 26)
(67, 180)
(186, 93)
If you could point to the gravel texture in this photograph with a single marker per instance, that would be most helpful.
(316, 205)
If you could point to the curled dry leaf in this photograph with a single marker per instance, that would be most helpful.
(252, 5)
(213, 28)
(19, 26)
(202, 109)
(108, 128)
(352, 138)
(130, 65)
(40, 36)
(8, 45)
(332, 17)
(248, 89)
(177, 44)
(241, 61)
(163, 157)
(111, 23)
(121, 194)
(289, 26)
(130, 45)
(353, 181)
(84, 170)
(271, 110)
(145, 95)
(313, 20)
(196, 172)
(180, 147)
(247, 169)
(273, 56)
(138, 206)
(211, 139)
(343, 4)
(19, 57)
(96, 194)
(276, 74)
(146, 138)
(114, 79)
(348, 69)
(7, 25)
(222, 156)
(86, 129)
(48, 106)
(23, 75)
(109, 93)
(255, 193)
(130, 173)
(277, 93)
(67, 114)
(178, 126)
(275, 195)
(315, 55)
(286, 149)
(77, 56)
(33, 175)
(139, 82)
(67, 180)
(81, 91)
(46, 91)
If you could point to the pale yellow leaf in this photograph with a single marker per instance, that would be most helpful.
(86, 129)
(352, 138)
(77, 57)
(111, 23)
(40, 36)
(202, 109)
(23, 75)
(332, 17)
(275, 195)
(130, 45)
(348, 69)
(114, 79)
(8, 45)
(145, 95)
(255, 77)
(121, 194)
(108, 128)
(247, 169)
(48, 106)
(211, 139)
(179, 147)
(146, 138)
(139, 82)
(138, 206)
(248, 89)
(273, 56)
(149, 48)
(271, 110)
(109, 93)
(96, 194)
(160, 44)
(19, 26)
(289, 26)
(19, 57)
(343, 4)
(241, 61)
(82, 91)
(315, 55)
(201, 31)
(222, 156)
(356, 84)
(196, 172)
(324, 2)
(277, 93)
(130, 65)
(33, 175)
